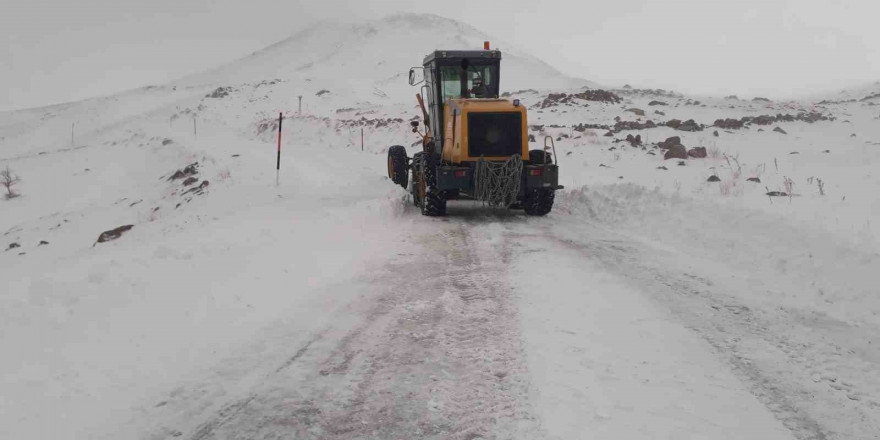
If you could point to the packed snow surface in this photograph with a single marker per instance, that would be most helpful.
(319, 304)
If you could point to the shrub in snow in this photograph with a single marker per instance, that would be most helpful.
(819, 183)
(789, 185)
(729, 188)
(730, 185)
(8, 179)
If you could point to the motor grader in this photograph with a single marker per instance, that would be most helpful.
(474, 144)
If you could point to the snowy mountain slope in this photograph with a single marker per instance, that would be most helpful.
(41, 130)
(650, 303)
(370, 61)
(864, 93)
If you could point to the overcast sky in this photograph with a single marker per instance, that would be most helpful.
(61, 50)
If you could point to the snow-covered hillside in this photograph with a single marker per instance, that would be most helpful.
(369, 62)
(651, 303)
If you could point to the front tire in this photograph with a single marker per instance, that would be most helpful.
(397, 165)
(431, 200)
(414, 187)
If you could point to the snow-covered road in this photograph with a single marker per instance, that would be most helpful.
(494, 325)
(431, 348)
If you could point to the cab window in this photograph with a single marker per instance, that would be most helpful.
(479, 82)
(450, 82)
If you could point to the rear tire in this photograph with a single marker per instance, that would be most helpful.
(397, 165)
(431, 200)
(539, 201)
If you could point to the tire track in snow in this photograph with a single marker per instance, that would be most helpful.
(299, 353)
(734, 330)
(227, 413)
(785, 410)
(438, 354)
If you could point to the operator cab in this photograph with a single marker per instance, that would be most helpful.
(463, 74)
(457, 74)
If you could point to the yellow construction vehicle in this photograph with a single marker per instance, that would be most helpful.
(474, 144)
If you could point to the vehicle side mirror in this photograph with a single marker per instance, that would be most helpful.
(416, 75)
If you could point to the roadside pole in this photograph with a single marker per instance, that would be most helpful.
(278, 160)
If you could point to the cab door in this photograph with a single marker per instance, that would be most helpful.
(434, 104)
